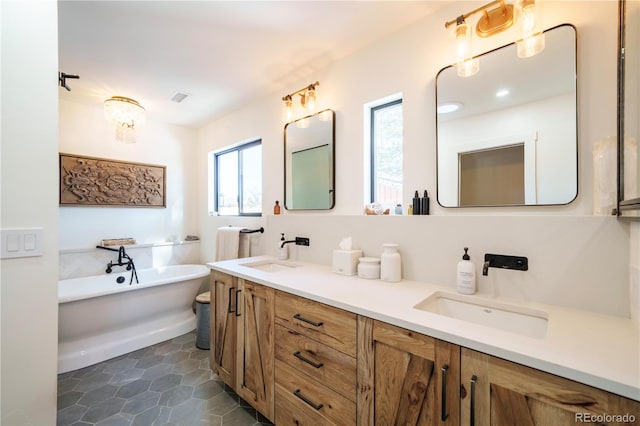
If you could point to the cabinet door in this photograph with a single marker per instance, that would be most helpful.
(255, 371)
(405, 378)
(498, 392)
(223, 326)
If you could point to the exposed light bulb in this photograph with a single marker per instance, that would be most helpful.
(311, 101)
(467, 66)
(532, 41)
(288, 110)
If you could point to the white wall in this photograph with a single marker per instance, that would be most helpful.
(29, 293)
(84, 131)
(407, 62)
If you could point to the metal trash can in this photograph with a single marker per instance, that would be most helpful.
(203, 312)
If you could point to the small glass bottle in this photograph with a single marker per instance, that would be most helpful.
(390, 264)
(398, 209)
(276, 208)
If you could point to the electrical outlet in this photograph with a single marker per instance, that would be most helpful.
(302, 241)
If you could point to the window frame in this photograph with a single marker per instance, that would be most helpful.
(216, 155)
(372, 146)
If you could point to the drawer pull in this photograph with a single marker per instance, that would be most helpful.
(237, 306)
(230, 310)
(316, 407)
(313, 323)
(443, 400)
(472, 409)
(308, 361)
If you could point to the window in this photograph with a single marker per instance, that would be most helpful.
(237, 180)
(386, 153)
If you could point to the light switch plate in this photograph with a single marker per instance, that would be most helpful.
(24, 242)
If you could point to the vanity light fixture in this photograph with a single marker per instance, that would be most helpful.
(497, 16)
(502, 93)
(532, 41)
(307, 101)
(467, 64)
(125, 113)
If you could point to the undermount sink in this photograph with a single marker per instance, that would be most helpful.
(270, 265)
(512, 318)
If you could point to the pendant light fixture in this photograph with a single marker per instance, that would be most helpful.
(125, 113)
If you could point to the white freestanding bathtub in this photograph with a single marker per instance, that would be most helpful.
(99, 319)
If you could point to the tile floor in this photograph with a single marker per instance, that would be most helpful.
(165, 384)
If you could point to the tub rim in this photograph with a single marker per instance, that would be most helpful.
(204, 272)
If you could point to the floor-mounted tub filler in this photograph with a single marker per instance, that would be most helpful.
(99, 318)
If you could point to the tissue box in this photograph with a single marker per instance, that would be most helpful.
(345, 262)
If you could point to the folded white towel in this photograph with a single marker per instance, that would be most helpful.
(227, 242)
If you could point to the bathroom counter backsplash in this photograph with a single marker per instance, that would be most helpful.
(76, 263)
(592, 348)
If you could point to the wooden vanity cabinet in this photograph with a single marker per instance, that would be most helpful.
(242, 339)
(315, 363)
(498, 392)
(222, 356)
(301, 362)
(406, 378)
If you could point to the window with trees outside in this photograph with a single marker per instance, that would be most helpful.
(386, 153)
(237, 180)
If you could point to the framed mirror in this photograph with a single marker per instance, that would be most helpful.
(507, 136)
(628, 110)
(309, 162)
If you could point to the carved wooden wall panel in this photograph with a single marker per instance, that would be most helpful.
(87, 181)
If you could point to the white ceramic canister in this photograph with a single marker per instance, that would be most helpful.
(369, 267)
(390, 264)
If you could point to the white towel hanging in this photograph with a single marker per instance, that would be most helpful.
(227, 242)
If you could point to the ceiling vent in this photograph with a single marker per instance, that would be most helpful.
(179, 97)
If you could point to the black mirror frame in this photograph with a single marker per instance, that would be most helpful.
(332, 191)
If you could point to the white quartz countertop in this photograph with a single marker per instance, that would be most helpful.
(598, 350)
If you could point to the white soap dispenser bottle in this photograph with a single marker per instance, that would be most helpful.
(466, 275)
(283, 250)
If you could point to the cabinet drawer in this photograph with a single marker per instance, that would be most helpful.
(320, 362)
(302, 401)
(326, 324)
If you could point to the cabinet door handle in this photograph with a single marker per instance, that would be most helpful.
(315, 406)
(308, 361)
(313, 323)
(237, 307)
(443, 399)
(229, 308)
(472, 409)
